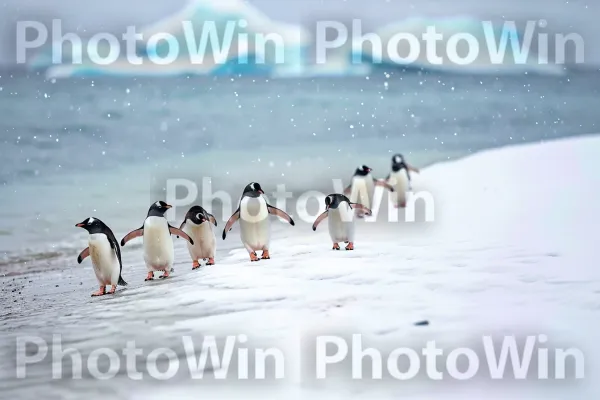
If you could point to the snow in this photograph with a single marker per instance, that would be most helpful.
(511, 250)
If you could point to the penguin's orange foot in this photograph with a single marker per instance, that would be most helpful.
(336, 246)
(113, 289)
(100, 292)
(265, 255)
(195, 265)
(403, 205)
(150, 276)
(254, 257)
(211, 261)
(350, 246)
(165, 275)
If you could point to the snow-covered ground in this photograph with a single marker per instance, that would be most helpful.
(511, 251)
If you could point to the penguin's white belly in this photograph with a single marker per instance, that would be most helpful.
(158, 244)
(104, 259)
(341, 224)
(362, 190)
(399, 181)
(254, 223)
(204, 240)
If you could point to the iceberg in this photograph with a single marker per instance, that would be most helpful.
(212, 37)
(489, 53)
(232, 20)
(232, 37)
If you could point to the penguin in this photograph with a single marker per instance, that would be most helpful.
(105, 253)
(399, 179)
(339, 209)
(158, 244)
(362, 187)
(253, 213)
(197, 224)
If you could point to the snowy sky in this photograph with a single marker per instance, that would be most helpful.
(113, 15)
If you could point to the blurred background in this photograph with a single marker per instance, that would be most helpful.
(83, 139)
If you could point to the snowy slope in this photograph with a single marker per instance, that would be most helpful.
(512, 250)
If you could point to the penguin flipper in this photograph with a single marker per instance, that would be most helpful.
(115, 246)
(319, 219)
(85, 253)
(132, 235)
(122, 281)
(411, 168)
(179, 232)
(384, 184)
(357, 206)
(212, 219)
(281, 214)
(230, 222)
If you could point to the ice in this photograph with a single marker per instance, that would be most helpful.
(237, 15)
(292, 54)
(513, 61)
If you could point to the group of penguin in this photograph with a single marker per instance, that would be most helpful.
(196, 228)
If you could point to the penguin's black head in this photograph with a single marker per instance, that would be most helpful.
(362, 170)
(397, 162)
(334, 200)
(253, 187)
(92, 225)
(197, 215)
(158, 209)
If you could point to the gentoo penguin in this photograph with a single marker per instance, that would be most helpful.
(158, 244)
(105, 252)
(362, 187)
(399, 179)
(341, 222)
(197, 225)
(254, 222)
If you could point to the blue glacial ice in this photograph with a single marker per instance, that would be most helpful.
(232, 37)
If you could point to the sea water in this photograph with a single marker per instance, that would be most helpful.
(106, 147)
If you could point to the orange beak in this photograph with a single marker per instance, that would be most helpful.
(80, 225)
(261, 192)
(168, 206)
